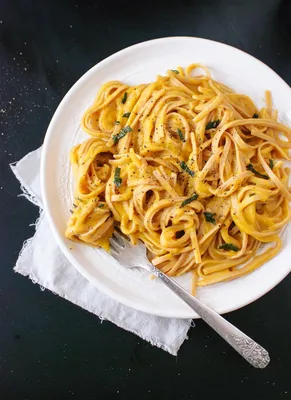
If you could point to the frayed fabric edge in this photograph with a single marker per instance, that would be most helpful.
(183, 335)
(28, 194)
(33, 198)
(26, 246)
(151, 340)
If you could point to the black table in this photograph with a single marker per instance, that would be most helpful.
(49, 348)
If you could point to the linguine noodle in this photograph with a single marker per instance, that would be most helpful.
(187, 166)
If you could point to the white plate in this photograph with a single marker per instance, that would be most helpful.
(140, 64)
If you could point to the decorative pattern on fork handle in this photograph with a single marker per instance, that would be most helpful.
(154, 270)
(255, 354)
(135, 256)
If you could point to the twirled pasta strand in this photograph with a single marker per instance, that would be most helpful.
(189, 167)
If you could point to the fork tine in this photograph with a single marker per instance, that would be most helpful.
(114, 248)
(113, 253)
(118, 242)
(119, 239)
(121, 235)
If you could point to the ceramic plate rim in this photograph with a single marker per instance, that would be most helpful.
(188, 313)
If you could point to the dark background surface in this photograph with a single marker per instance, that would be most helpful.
(49, 348)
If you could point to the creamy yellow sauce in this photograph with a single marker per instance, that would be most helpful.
(187, 166)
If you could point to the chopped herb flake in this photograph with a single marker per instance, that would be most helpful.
(212, 124)
(117, 179)
(256, 115)
(175, 70)
(101, 205)
(185, 167)
(252, 194)
(117, 122)
(121, 134)
(124, 98)
(181, 136)
(210, 217)
(251, 168)
(271, 163)
(229, 246)
(126, 115)
(192, 198)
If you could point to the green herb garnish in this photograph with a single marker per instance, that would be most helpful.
(117, 179)
(271, 163)
(185, 167)
(192, 198)
(252, 194)
(212, 124)
(256, 115)
(175, 70)
(124, 98)
(126, 115)
(121, 134)
(117, 122)
(251, 168)
(229, 246)
(181, 136)
(101, 205)
(210, 217)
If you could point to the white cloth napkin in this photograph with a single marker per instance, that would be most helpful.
(43, 262)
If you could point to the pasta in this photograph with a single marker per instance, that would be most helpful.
(187, 166)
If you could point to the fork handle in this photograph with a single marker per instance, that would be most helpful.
(250, 350)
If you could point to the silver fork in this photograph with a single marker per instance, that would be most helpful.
(135, 256)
